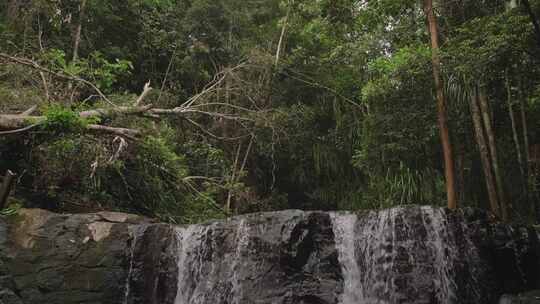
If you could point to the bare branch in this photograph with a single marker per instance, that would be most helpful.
(22, 130)
(128, 133)
(29, 111)
(103, 113)
(145, 92)
(311, 82)
(200, 127)
(45, 86)
(35, 65)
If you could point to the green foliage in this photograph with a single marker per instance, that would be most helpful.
(11, 210)
(105, 72)
(62, 119)
(96, 67)
(64, 165)
(353, 119)
(483, 44)
(395, 73)
(403, 185)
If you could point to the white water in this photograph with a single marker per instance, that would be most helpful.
(367, 267)
(442, 244)
(345, 231)
(242, 241)
(189, 239)
(135, 232)
(385, 257)
(370, 246)
(197, 248)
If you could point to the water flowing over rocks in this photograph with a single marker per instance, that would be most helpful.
(416, 255)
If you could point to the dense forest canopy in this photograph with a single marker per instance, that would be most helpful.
(194, 109)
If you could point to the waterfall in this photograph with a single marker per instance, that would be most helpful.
(242, 241)
(344, 227)
(443, 247)
(189, 255)
(388, 255)
(204, 262)
(398, 255)
(366, 263)
(135, 232)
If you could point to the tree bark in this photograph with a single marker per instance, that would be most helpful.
(78, 30)
(525, 130)
(460, 172)
(515, 134)
(484, 154)
(12, 12)
(282, 35)
(441, 106)
(486, 117)
(529, 170)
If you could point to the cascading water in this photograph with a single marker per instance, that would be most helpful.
(406, 255)
(414, 255)
(200, 276)
(388, 255)
(135, 232)
(365, 247)
(189, 244)
(242, 241)
(441, 243)
(345, 233)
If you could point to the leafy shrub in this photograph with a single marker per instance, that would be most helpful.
(62, 119)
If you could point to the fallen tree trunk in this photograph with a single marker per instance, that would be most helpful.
(25, 121)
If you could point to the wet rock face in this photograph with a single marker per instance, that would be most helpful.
(59, 259)
(414, 255)
(531, 297)
(152, 273)
(282, 258)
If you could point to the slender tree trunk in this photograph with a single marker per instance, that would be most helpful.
(486, 117)
(12, 12)
(78, 30)
(283, 30)
(228, 204)
(534, 19)
(530, 174)
(460, 172)
(484, 154)
(525, 129)
(441, 106)
(515, 134)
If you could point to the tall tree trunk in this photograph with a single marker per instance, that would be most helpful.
(525, 129)
(78, 30)
(460, 172)
(534, 19)
(484, 154)
(12, 12)
(486, 117)
(515, 134)
(441, 106)
(530, 174)
(282, 35)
